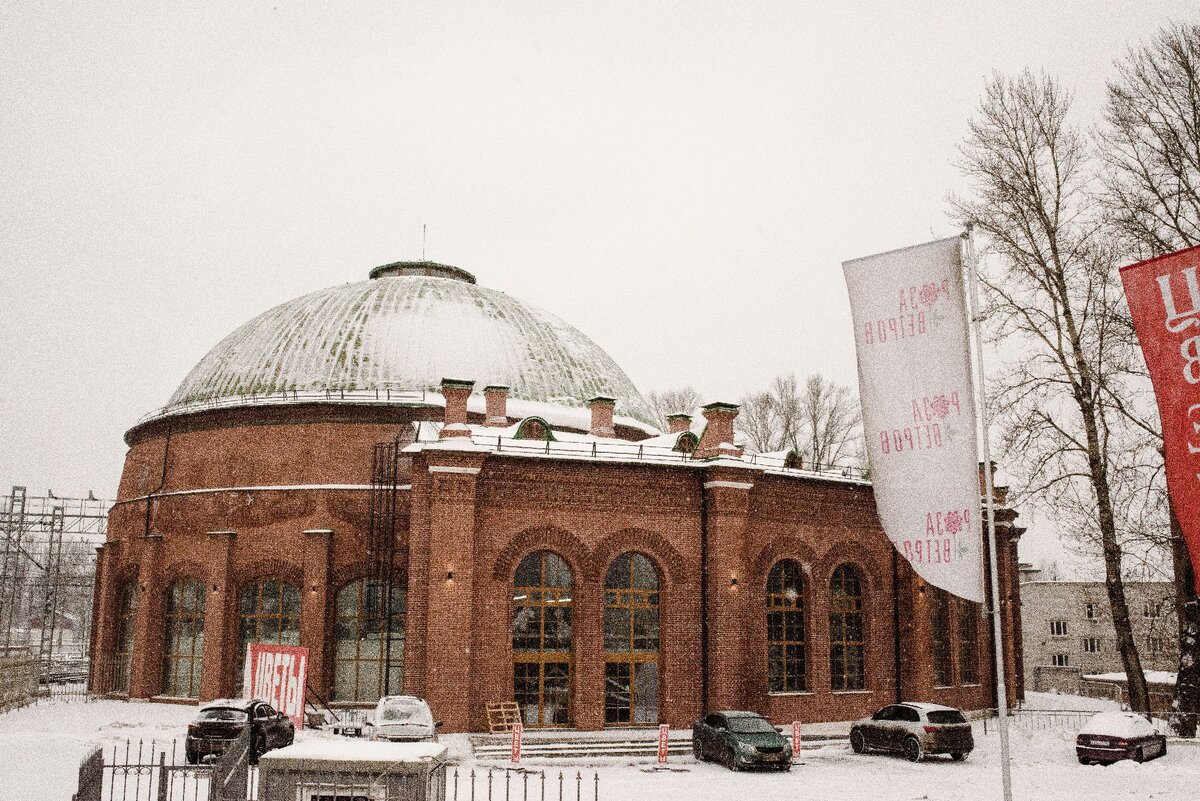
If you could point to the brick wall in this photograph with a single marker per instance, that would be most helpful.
(713, 531)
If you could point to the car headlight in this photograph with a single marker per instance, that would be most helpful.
(746, 750)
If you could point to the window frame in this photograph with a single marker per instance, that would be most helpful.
(850, 607)
(785, 606)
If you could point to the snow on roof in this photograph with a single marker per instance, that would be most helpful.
(406, 334)
(1118, 724)
(573, 445)
(928, 707)
(1152, 676)
(375, 753)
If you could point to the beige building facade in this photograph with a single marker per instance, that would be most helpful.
(1068, 624)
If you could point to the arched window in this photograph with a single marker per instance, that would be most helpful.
(269, 612)
(185, 639)
(631, 639)
(365, 643)
(846, 643)
(942, 661)
(123, 647)
(541, 639)
(968, 642)
(785, 629)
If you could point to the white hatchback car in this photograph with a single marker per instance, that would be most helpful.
(403, 719)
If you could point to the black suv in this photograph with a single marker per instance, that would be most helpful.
(220, 722)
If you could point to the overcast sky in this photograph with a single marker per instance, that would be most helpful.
(681, 181)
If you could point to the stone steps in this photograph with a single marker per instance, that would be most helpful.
(585, 745)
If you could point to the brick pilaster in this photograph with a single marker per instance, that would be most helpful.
(726, 499)
(145, 678)
(452, 681)
(220, 633)
(314, 606)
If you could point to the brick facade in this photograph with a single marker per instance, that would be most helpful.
(237, 495)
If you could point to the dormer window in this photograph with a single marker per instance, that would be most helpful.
(534, 428)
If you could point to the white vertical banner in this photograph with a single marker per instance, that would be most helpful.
(918, 408)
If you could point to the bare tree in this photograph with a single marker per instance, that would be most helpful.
(1151, 195)
(672, 401)
(1049, 294)
(820, 420)
(757, 423)
(832, 420)
(1151, 144)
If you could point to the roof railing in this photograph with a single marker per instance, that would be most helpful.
(291, 396)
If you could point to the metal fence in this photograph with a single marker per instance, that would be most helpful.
(493, 784)
(143, 771)
(140, 770)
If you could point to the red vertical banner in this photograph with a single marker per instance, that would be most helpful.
(516, 742)
(795, 738)
(277, 674)
(663, 733)
(1164, 302)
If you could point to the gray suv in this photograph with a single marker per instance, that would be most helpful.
(915, 730)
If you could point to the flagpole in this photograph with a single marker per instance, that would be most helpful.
(997, 628)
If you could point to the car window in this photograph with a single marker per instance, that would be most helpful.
(887, 713)
(406, 710)
(751, 725)
(221, 713)
(716, 721)
(262, 712)
(907, 714)
(946, 716)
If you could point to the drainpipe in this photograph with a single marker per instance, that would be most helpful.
(162, 480)
(896, 625)
(703, 597)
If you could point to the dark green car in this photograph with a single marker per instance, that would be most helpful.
(740, 740)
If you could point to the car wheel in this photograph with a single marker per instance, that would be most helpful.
(858, 743)
(1084, 761)
(913, 750)
(191, 756)
(959, 756)
(1139, 755)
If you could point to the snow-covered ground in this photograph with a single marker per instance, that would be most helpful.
(41, 746)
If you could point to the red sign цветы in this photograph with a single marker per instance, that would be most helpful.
(1164, 301)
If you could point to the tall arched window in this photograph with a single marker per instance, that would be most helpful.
(541, 639)
(785, 629)
(631, 638)
(365, 643)
(846, 644)
(968, 642)
(942, 661)
(185, 639)
(268, 612)
(123, 646)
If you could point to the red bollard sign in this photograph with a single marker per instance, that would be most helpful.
(795, 738)
(663, 729)
(516, 742)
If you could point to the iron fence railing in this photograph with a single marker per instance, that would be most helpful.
(637, 451)
(1074, 719)
(141, 770)
(292, 396)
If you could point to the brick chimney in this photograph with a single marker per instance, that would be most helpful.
(497, 406)
(678, 422)
(602, 416)
(456, 392)
(717, 439)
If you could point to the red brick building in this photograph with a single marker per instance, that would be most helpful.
(541, 540)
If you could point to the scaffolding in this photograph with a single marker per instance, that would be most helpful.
(47, 574)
